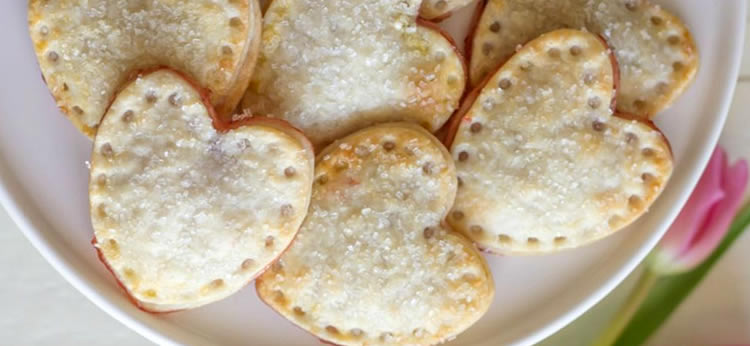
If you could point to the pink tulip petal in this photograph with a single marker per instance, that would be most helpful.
(734, 182)
(694, 214)
(731, 179)
(689, 223)
(722, 176)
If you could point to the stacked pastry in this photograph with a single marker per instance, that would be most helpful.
(545, 144)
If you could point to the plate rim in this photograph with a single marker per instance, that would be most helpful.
(26, 216)
(20, 211)
(735, 61)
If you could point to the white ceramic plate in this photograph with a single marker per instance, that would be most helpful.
(44, 188)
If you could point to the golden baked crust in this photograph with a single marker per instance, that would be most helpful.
(183, 214)
(264, 5)
(88, 49)
(657, 55)
(543, 163)
(440, 9)
(332, 67)
(372, 264)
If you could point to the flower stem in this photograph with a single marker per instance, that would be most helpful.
(667, 292)
(628, 309)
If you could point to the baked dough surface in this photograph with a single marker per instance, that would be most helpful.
(543, 162)
(372, 264)
(185, 215)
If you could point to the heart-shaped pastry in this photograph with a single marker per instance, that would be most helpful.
(372, 264)
(88, 49)
(185, 214)
(543, 163)
(332, 67)
(438, 10)
(656, 53)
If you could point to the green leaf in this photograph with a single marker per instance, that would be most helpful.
(668, 292)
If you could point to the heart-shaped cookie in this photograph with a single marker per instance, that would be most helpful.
(437, 10)
(332, 67)
(372, 264)
(88, 49)
(656, 53)
(542, 161)
(185, 214)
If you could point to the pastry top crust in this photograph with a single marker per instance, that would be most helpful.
(332, 67)
(440, 9)
(543, 162)
(372, 264)
(184, 214)
(657, 55)
(88, 49)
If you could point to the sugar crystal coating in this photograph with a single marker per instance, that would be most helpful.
(551, 159)
(331, 67)
(189, 208)
(372, 263)
(656, 53)
(88, 49)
